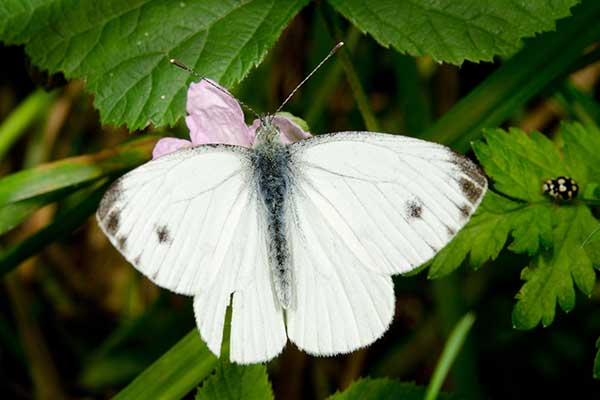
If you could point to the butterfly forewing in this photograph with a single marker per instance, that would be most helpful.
(191, 221)
(365, 206)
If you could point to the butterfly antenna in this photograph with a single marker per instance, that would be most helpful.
(332, 52)
(181, 65)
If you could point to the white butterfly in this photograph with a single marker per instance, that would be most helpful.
(302, 239)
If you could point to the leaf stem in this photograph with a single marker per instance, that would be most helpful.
(175, 373)
(333, 25)
(28, 111)
(451, 350)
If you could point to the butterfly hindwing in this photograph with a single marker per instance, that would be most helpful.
(257, 327)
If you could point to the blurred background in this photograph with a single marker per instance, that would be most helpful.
(77, 321)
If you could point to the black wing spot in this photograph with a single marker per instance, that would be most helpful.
(414, 209)
(451, 232)
(112, 225)
(465, 210)
(122, 243)
(470, 190)
(163, 234)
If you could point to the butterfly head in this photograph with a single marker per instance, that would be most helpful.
(267, 131)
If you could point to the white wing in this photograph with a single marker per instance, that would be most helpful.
(190, 221)
(366, 206)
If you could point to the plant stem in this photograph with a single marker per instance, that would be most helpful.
(43, 373)
(175, 373)
(22, 117)
(332, 23)
(451, 350)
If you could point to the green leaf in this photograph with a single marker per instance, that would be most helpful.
(519, 163)
(530, 226)
(122, 48)
(382, 389)
(453, 31)
(582, 150)
(550, 278)
(236, 382)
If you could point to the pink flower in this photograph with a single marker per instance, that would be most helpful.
(215, 117)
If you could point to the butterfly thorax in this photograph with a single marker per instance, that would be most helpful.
(270, 159)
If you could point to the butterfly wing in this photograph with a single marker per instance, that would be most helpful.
(366, 206)
(190, 221)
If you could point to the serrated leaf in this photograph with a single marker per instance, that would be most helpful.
(453, 31)
(122, 48)
(382, 389)
(236, 382)
(519, 163)
(551, 276)
(488, 231)
(581, 149)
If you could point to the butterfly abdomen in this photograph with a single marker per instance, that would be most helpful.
(271, 166)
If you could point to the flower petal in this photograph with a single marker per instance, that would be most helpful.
(214, 116)
(168, 145)
(290, 131)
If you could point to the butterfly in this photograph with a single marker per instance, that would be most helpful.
(300, 234)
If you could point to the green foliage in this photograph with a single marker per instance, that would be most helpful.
(122, 48)
(541, 62)
(236, 382)
(555, 234)
(384, 389)
(453, 31)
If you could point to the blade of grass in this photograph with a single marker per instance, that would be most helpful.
(13, 214)
(540, 63)
(27, 112)
(62, 225)
(175, 373)
(74, 171)
(451, 350)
